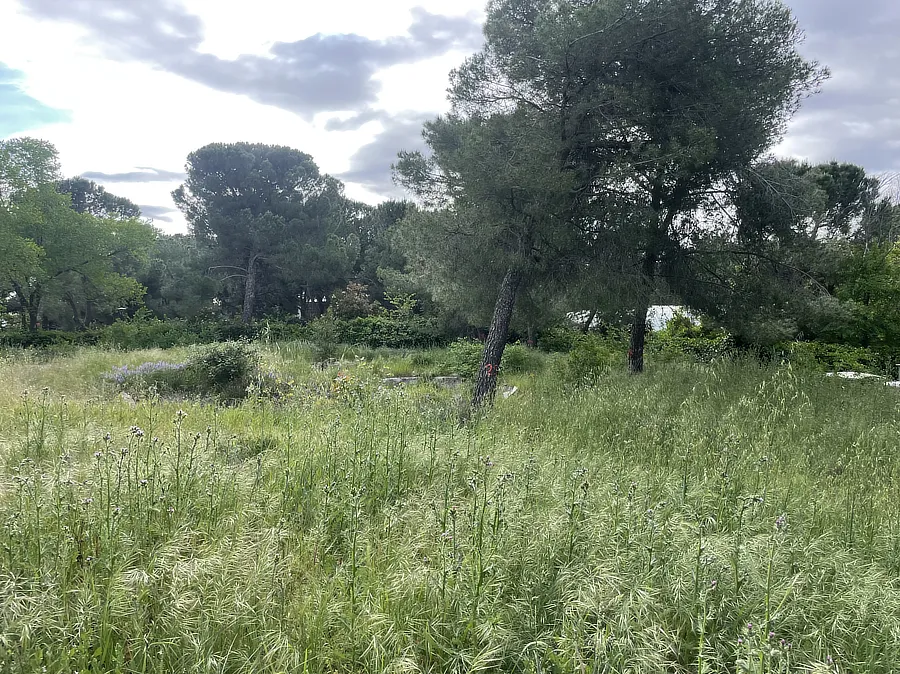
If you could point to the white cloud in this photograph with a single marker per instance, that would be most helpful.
(127, 114)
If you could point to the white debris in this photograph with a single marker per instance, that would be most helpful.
(853, 375)
(509, 390)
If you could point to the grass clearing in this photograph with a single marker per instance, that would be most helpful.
(696, 519)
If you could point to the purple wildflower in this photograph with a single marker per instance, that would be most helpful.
(123, 372)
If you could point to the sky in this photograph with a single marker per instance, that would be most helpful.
(126, 89)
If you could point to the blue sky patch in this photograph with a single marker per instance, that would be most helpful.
(19, 111)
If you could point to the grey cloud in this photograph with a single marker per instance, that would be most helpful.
(355, 121)
(145, 174)
(316, 74)
(856, 116)
(163, 213)
(370, 165)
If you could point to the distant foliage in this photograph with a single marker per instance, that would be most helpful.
(353, 302)
(558, 339)
(703, 349)
(462, 357)
(834, 357)
(324, 334)
(518, 359)
(392, 332)
(591, 357)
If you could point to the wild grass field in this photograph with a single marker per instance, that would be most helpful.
(724, 518)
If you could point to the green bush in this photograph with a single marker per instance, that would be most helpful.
(558, 339)
(147, 332)
(835, 357)
(665, 347)
(324, 333)
(462, 357)
(518, 358)
(590, 357)
(47, 339)
(394, 332)
(225, 371)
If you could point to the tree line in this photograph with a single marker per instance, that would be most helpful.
(597, 156)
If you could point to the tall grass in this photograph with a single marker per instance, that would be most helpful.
(698, 519)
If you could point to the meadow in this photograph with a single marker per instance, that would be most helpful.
(731, 517)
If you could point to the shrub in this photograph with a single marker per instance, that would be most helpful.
(558, 339)
(518, 358)
(324, 334)
(590, 357)
(462, 357)
(666, 347)
(393, 332)
(226, 371)
(51, 340)
(353, 302)
(834, 357)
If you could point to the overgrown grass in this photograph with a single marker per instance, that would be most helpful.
(716, 518)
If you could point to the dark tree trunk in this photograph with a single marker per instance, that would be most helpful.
(76, 313)
(35, 306)
(589, 322)
(638, 337)
(249, 291)
(639, 324)
(486, 383)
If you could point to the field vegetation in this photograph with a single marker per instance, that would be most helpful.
(717, 517)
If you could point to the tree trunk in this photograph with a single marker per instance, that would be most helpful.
(638, 337)
(40, 312)
(76, 313)
(639, 324)
(249, 291)
(35, 307)
(486, 383)
(589, 322)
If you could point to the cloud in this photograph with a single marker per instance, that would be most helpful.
(856, 116)
(164, 213)
(355, 121)
(316, 74)
(19, 111)
(145, 174)
(370, 165)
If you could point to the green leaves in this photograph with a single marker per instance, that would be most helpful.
(25, 163)
(271, 219)
(57, 261)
